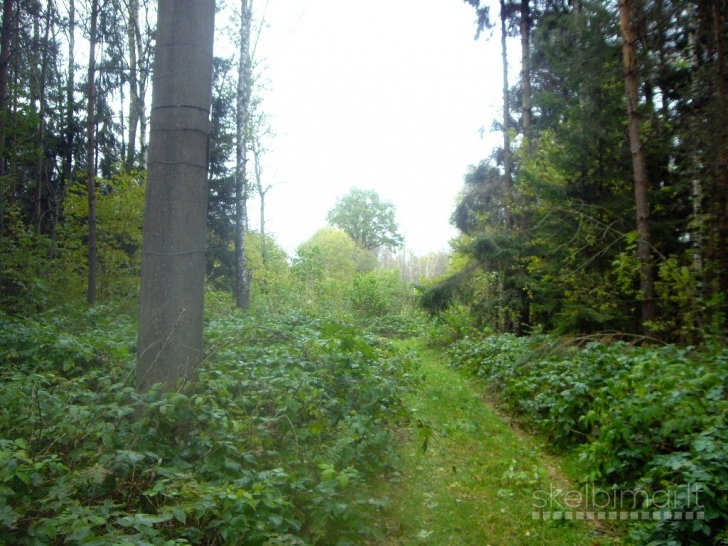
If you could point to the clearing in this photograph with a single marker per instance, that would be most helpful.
(467, 477)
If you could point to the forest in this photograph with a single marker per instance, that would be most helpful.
(169, 375)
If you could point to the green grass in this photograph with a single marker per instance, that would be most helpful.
(467, 477)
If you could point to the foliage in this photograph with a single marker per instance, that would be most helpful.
(272, 276)
(119, 219)
(379, 293)
(649, 419)
(367, 219)
(221, 196)
(272, 446)
(40, 271)
(403, 325)
(558, 237)
(23, 286)
(325, 265)
(273, 284)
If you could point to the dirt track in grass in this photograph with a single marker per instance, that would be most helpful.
(467, 477)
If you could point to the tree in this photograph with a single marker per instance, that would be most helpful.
(90, 156)
(173, 250)
(627, 23)
(139, 50)
(554, 267)
(221, 199)
(243, 277)
(507, 168)
(259, 129)
(526, 69)
(368, 220)
(5, 44)
(326, 265)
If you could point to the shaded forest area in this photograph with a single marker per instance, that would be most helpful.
(75, 81)
(605, 209)
(602, 223)
(587, 288)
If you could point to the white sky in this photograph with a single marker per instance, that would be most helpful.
(388, 95)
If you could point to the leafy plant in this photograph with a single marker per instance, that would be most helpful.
(647, 419)
(272, 446)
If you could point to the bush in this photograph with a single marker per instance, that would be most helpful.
(380, 292)
(272, 446)
(643, 418)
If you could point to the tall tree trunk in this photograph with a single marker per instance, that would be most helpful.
(719, 24)
(173, 251)
(142, 79)
(242, 275)
(14, 107)
(69, 131)
(70, 97)
(255, 146)
(697, 192)
(526, 122)
(506, 118)
(263, 246)
(5, 31)
(629, 56)
(132, 33)
(526, 70)
(40, 142)
(90, 158)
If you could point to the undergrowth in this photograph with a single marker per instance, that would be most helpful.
(650, 421)
(273, 445)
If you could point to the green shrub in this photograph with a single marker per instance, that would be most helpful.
(648, 419)
(401, 326)
(272, 446)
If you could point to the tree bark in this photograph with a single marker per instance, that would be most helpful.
(143, 81)
(629, 56)
(697, 191)
(5, 31)
(242, 275)
(261, 194)
(70, 125)
(508, 177)
(131, 34)
(69, 129)
(40, 142)
(173, 250)
(526, 70)
(719, 23)
(90, 158)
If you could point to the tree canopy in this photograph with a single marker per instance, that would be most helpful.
(605, 210)
(367, 219)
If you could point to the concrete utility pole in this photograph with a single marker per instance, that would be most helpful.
(173, 251)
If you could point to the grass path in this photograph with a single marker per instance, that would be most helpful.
(468, 479)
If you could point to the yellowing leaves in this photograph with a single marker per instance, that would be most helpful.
(119, 217)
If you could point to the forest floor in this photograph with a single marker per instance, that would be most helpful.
(468, 478)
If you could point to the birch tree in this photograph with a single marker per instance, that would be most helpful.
(243, 277)
(139, 59)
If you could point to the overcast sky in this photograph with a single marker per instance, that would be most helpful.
(389, 95)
